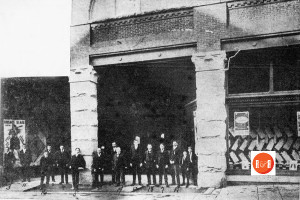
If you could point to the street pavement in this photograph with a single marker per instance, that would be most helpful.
(240, 192)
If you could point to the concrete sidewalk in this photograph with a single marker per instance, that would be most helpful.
(253, 192)
(244, 192)
(259, 192)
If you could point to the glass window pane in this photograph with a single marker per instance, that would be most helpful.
(248, 79)
(287, 70)
(249, 72)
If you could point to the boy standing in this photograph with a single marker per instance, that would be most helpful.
(45, 165)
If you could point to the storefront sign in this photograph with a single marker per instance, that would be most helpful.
(241, 123)
(298, 123)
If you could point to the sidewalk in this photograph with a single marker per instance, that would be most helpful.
(244, 192)
(261, 192)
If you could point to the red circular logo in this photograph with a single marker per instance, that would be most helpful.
(263, 163)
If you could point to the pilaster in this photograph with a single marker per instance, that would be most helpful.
(84, 116)
(210, 118)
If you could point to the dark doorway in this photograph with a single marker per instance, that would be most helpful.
(146, 100)
(44, 104)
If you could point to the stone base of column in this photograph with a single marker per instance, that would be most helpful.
(209, 179)
(85, 177)
(211, 115)
(211, 170)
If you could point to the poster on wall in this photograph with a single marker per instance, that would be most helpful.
(298, 123)
(14, 134)
(241, 123)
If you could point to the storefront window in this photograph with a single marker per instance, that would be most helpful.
(266, 70)
(249, 72)
(286, 78)
(287, 70)
(266, 84)
(248, 79)
(271, 129)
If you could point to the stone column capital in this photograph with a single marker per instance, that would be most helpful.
(83, 74)
(208, 61)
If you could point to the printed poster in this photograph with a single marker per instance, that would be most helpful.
(241, 123)
(14, 133)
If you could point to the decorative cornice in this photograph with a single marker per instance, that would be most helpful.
(144, 19)
(280, 99)
(142, 25)
(247, 3)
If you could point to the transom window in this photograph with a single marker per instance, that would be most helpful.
(265, 71)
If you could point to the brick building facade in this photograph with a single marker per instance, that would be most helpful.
(217, 37)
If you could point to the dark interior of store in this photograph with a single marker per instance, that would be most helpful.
(146, 100)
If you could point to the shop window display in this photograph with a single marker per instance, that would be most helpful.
(265, 83)
(271, 129)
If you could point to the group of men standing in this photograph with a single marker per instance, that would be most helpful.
(10, 160)
(162, 161)
(64, 162)
(50, 161)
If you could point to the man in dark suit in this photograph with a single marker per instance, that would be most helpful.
(150, 163)
(136, 161)
(9, 161)
(162, 164)
(62, 160)
(52, 162)
(185, 170)
(112, 153)
(193, 164)
(77, 162)
(119, 164)
(98, 167)
(45, 165)
(175, 161)
(25, 159)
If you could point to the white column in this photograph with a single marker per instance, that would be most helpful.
(84, 116)
(210, 142)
